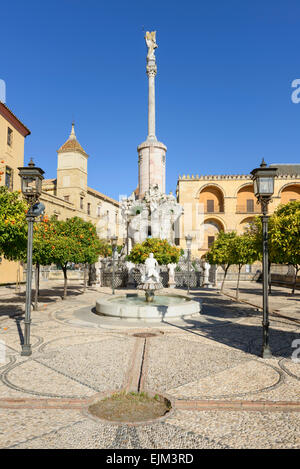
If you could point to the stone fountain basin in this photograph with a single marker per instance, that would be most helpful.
(135, 307)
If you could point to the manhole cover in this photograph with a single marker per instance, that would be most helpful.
(144, 335)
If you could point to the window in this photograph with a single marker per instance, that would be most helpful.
(67, 198)
(99, 211)
(89, 208)
(210, 206)
(210, 240)
(9, 136)
(81, 203)
(250, 205)
(8, 177)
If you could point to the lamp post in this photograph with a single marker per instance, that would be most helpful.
(188, 240)
(263, 183)
(31, 187)
(113, 240)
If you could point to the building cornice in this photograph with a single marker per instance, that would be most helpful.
(223, 177)
(101, 196)
(13, 120)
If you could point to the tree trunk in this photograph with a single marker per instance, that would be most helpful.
(64, 268)
(225, 273)
(296, 267)
(84, 277)
(238, 283)
(37, 286)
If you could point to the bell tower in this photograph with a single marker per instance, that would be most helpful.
(72, 171)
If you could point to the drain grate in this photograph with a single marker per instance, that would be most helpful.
(144, 335)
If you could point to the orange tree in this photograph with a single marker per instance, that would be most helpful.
(285, 236)
(244, 252)
(13, 226)
(221, 252)
(63, 241)
(163, 251)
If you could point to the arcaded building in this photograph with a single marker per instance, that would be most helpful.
(227, 202)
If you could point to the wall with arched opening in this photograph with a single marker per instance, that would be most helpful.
(244, 224)
(290, 192)
(212, 228)
(246, 200)
(212, 199)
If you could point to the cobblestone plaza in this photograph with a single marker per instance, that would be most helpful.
(223, 394)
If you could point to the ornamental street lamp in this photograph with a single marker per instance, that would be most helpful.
(31, 186)
(188, 240)
(263, 183)
(113, 240)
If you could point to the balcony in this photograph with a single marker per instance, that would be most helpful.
(215, 211)
(248, 208)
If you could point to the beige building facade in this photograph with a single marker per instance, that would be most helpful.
(12, 138)
(65, 196)
(226, 202)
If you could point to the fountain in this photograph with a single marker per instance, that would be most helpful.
(150, 281)
(152, 307)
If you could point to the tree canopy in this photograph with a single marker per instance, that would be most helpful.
(13, 226)
(163, 251)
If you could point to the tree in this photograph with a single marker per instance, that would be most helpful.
(163, 251)
(74, 240)
(243, 251)
(220, 252)
(13, 226)
(63, 241)
(285, 235)
(42, 251)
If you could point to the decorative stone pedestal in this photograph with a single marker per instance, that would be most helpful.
(152, 166)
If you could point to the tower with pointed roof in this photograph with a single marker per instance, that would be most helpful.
(72, 171)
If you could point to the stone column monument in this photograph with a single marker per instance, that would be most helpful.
(152, 154)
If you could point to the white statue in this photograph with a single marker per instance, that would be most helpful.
(151, 44)
(171, 268)
(206, 282)
(130, 266)
(151, 267)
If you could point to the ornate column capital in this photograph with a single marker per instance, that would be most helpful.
(151, 70)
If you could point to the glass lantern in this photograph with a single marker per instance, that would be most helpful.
(31, 182)
(114, 240)
(263, 181)
(189, 239)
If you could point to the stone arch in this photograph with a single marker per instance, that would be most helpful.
(212, 198)
(207, 185)
(246, 201)
(211, 228)
(246, 184)
(245, 222)
(289, 192)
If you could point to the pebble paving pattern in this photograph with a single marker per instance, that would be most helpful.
(224, 395)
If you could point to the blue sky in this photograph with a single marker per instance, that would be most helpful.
(223, 87)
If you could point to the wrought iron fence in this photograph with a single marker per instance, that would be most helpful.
(183, 278)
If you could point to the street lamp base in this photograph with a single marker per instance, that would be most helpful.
(266, 352)
(26, 350)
